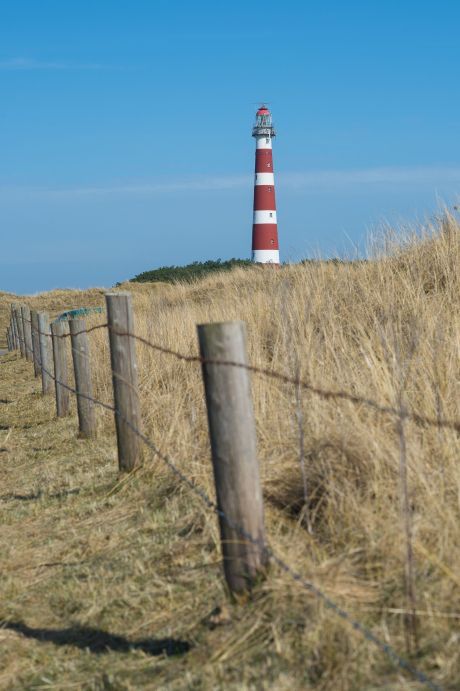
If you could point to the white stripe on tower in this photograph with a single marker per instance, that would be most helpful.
(265, 248)
(264, 217)
(264, 142)
(266, 256)
(264, 179)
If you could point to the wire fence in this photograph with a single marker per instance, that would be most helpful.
(326, 394)
(269, 553)
(390, 652)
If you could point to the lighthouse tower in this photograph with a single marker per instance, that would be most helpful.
(265, 249)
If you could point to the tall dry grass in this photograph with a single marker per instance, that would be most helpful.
(386, 329)
(363, 505)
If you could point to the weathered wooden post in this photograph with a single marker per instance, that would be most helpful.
(83, 384)
(20, 324)
(8, 338)
(35, 342)
(27, 327)
(12, 333)
(58, 331)
(14, 328)
(46, 362)
(234, 453)
(124, 378)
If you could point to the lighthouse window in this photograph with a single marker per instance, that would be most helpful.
(271, 215)
(267, 140)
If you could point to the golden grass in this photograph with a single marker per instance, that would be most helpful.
(86, 554)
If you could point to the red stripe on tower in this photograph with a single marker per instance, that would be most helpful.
(265, 249)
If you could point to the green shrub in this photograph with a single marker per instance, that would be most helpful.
(189, 272)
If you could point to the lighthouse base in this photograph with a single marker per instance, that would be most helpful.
(266, 256)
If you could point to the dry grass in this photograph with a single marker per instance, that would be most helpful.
(91, 562)
(55, 302)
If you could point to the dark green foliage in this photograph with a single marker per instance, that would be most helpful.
(189, 272)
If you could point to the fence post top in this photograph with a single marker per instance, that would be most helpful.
(237, 324)
(76, 324)
(218, 333)
(118, 293)
(57, 326)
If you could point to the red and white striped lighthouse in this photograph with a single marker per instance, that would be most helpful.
(265, 248)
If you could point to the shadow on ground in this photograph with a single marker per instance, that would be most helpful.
(38, 495)
(97, 641)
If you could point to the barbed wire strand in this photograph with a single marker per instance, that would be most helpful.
(268, 551)
(326, 394)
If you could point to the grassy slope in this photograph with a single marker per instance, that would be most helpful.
(90, 561)
(55, 302)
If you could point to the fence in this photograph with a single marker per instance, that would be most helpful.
(225, 369)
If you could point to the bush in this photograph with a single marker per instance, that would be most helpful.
(189, 272)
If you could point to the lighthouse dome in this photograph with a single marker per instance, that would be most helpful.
(263, 125)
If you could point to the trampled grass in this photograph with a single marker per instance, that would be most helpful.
(114, 583)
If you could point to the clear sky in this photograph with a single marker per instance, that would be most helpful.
(125, 128)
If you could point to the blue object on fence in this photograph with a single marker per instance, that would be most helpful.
(79, 312)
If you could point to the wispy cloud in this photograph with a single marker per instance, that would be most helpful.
(313, 181)
(198, 184)
(23, 63)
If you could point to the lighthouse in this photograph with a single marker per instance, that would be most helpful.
(265, 249)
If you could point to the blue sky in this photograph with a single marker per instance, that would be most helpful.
(125, 129)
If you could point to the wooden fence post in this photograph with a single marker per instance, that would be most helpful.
(20, 330)
(58, 331)
(35, 342)
(82, 370)
(46, 362)
(15, 328)
(12, 339)
(124, 378)
(8, 338)
(234, 453)
(27, 326)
